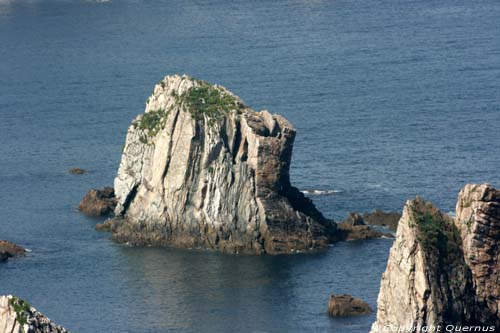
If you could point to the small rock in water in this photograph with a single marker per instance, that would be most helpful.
(77, 171)
(346, 306)
(98, 202)
(354, 228)
(386, 219)
(8, 250)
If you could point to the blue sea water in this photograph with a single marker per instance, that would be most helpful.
(391, 99)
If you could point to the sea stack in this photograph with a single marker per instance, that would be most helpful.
(443, 271)
(200, 169)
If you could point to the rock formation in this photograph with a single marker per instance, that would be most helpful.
(98, 202)
(386, 219)
(478, 219)
(443, 271)
(201, 169)
(354, 228)
(346, 305)
(17, 316)
(8, 250)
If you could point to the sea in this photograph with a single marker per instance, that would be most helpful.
(391, 99)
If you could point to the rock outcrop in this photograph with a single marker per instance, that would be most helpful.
(346, 306)
(8, 250)
(385, 219)
(98, 202)
(354, 228)
(17, 316)
(200, 169)
(478, 219)
(443, 271)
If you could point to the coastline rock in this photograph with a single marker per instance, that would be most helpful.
(346, 305)
(200, 169)
(354, 228)
(8, 250)
(77, 171)
(443, 271)
(98, 202)
(18, 316)
(385, 219)
(478, 219)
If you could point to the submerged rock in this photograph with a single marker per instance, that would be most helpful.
(201, 169)
(441, 271)
(346, 306)
(17, 316)
(385, 219)
(77, 171)
(354, 228)
(8, 250)
(98, 202)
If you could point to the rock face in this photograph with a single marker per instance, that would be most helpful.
(98, 202)
(386, 219)
(443, 271)
(478, 218)
(17, 316)
(354, 228)
(201, 169)
(8, 250)
(346, 305)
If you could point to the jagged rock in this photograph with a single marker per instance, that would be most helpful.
(17, 316)
(354, 219)
(98, 202)
(346, 305)
(201, 169)
(478, 218)
(439, 274)
(354, 228)
(77, 171)
(8, 250)
(378, 217)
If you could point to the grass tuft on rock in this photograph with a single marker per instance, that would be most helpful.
(208, 100)
(21, 309)
(436, 232)
(151, 123)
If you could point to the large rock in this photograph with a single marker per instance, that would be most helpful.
(201, 169)
(98, 202)
(8, 250)
(17, 316)
(439, 274)
(346, 306)
(478, 218)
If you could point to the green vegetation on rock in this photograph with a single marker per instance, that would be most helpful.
(436, 232)
(21, 309)
(207, 100)
(151, 123)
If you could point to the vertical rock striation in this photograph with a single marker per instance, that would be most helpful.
(443, 271)
(478, 218)
(201, 169)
